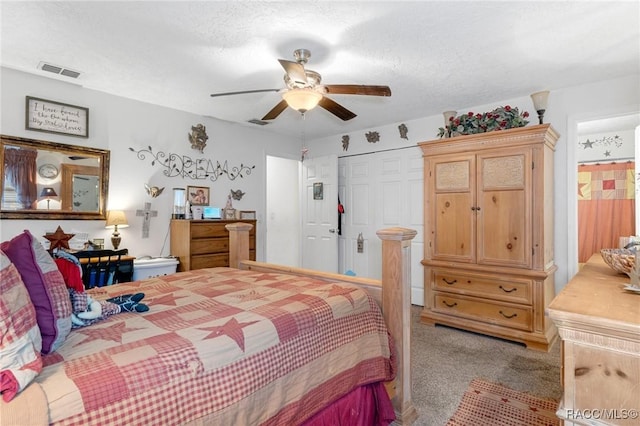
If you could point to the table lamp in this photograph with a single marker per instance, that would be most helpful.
(116, 218)
(48, 193)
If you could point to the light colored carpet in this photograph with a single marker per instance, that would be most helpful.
(445, 360)
(488, 403)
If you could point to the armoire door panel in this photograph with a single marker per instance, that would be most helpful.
(503, 237)
(453, 232)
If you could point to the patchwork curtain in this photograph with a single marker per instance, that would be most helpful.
(20, 172)
(606, 206)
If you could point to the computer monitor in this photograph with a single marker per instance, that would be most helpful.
(212, 212)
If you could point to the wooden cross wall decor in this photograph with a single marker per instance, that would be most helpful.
(148, 214)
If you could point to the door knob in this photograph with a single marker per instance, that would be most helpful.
(333, 231)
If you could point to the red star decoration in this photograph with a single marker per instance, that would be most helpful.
(59, 239)
(231, 328)
(580, 186)
(336, 290)
(113, 332)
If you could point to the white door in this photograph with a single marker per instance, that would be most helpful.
(320, 213)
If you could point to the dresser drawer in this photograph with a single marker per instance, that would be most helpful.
(208, 230)
(210, 246)
(209, 261)
(509, 289)
(507, 315)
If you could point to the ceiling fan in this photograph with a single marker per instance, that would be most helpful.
(304, 92)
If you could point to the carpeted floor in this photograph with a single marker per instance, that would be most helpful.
(444, 361)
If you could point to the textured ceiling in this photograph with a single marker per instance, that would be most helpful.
(435, 56)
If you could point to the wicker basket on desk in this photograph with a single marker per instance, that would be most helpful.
(620, 260)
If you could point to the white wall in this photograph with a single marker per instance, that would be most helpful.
(117, 124)
(566, 107)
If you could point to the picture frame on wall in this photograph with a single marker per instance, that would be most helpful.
(248, 214)
(43, 115)
(198, 195)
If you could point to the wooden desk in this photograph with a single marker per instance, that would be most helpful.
(599, 323)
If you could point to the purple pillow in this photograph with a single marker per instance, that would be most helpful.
(46, 288)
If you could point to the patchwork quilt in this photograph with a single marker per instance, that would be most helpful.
(240, 347)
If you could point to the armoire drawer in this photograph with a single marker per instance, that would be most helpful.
(509, 289)
(210, 245)
(209, 261)
(506, 315)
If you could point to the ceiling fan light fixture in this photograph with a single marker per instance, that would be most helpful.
(302, 100)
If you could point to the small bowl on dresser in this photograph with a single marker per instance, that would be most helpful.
(620, 260)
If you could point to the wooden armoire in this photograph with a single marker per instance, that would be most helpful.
(488, 221)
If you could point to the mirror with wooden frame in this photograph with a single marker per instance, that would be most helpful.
(49, 180)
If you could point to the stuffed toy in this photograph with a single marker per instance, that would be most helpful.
(85, 309)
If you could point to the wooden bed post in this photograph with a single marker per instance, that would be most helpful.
(238, 242)
(396, 308)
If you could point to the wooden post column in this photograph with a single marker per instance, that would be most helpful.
(238, 242)
(396, 308)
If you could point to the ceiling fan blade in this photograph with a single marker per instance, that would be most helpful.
(276, 110)
(354, 89)
(336, 109)
(243, 92)
(295, 71)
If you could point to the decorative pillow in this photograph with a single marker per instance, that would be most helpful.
(20, 341)
(46, 288)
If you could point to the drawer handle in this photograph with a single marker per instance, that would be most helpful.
(448, 305)
(508, 316)
(508, 291)
(449, 282)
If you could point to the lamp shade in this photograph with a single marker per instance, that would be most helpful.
(48, 192)
(116, 218)
(540, 100)
(302, 100)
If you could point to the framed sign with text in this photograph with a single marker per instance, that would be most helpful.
(55, 117)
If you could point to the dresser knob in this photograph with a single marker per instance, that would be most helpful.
(450, 305)
(449, 282)
(508, 316)
(507, 291)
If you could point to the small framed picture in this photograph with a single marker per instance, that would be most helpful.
(248, 214)
(98, 243)
(198, 195)
(318, 191)
(230, 214)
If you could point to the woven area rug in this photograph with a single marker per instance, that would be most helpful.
(486, 403)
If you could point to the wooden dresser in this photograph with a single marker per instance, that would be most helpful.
(205, 243)
(488, 221)
(599, 324)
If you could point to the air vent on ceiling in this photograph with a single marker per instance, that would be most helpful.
(258, 122)
(58, 70)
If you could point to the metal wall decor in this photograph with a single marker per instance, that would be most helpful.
(154, 191)
(403, 131)
(147, 213)
(237, 194)
(372, 137)
(176, 165)
(198, 137)
(345, 142)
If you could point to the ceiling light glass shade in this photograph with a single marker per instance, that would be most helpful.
(302, 100)
(116, 218)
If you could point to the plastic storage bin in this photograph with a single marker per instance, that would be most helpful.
(154, 267)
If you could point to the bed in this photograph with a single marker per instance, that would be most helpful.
(253, 344)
